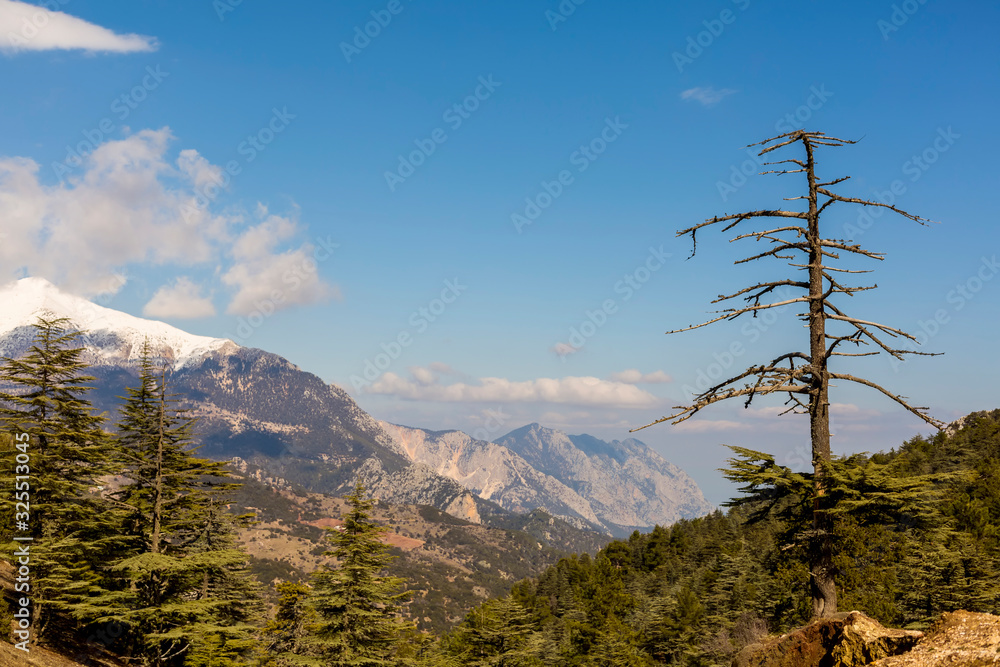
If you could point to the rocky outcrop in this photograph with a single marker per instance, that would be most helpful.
(419, 485)
(627, 484)
(848, 639)
(613, 487)
(492, 472)
(958, 639)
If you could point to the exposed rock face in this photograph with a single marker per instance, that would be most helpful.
(251, 404)
(626, 483)
(848, 639)
(613, 487)
(419, 485)
(958, 639)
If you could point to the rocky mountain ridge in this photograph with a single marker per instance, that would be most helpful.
(614, 487)
(260, 408)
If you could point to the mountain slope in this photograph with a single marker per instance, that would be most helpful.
(616, 487)
(250, 403)
(613, 476)
(493, 472)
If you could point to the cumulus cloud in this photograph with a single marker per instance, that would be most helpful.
(27, 27)
(127, 204)
(706, 95)
(426, 386)
(633, 376)
(266, 279)
(183, 300)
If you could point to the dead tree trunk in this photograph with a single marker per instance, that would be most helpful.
(805, 377)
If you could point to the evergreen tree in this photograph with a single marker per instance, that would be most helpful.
(281, 636)
(182, 587)
(357, 605)
(67, 453)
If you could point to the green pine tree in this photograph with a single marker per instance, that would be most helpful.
(182, 585)
(357, 605)
(66, 455)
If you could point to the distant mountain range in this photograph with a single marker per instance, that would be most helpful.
(258, 407)
(614, 487)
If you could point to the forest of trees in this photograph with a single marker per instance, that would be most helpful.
(134, 554)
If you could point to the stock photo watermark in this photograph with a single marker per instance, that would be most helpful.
(581, 158)
(915, 167)
(294, 278)
(419, 321)
(710, 374)
(562, 13)
(34, 24)
(364, 34)
(901, 13)
(455, 116)
(122, 107)
(714, 27)
(21, 626)
(249, 149)
(791, 121)
(493, 422)
(958, 298)
(626, 288)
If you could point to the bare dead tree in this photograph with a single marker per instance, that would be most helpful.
(805, 376)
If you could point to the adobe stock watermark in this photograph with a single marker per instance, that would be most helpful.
(121, 107)
(493, 422)
(958, 298)
(581, 158)
(223, 7)
(901, 13)
(32, 25)
(626, 288)
(363, 35)
(249, 149)
(455, 116)
(915, 168)
(292, 280)
(715, 371)
(789, 122)
(420, 320)
(565, 9)
(698, 43)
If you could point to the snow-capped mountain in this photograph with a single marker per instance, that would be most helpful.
(258, 407)
(111, 336)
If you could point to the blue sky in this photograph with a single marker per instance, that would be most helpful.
(192, 161)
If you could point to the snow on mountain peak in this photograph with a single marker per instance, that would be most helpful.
(24, 300)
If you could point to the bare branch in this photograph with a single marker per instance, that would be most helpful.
(799, 231)
(738, 218)
(733, 313)
(767, 287)
(920, 412)
(834, 182)
(864, 202)
(785, 246)
(857, 249)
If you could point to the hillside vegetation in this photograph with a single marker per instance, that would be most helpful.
(920, 536)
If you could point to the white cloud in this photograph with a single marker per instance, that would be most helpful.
(27, 27)
(706, 95)
(633, 376)
(589, 391)
(183, 300)
(128, 205)
(266, 280)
